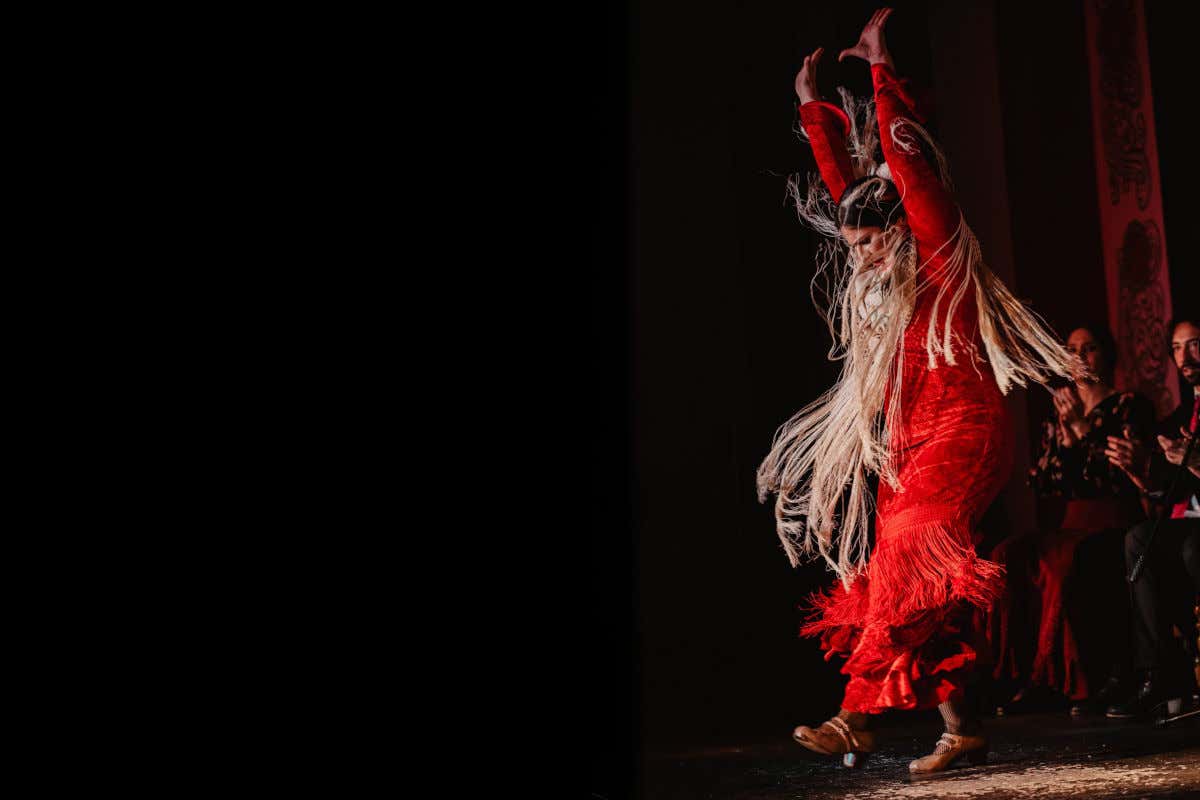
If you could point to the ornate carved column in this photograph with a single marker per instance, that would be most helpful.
(1131, 222)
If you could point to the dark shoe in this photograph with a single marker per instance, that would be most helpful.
(1149, 700)
(1111, 693)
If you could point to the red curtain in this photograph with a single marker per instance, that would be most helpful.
(1131, 223)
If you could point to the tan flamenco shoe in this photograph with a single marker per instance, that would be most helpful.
(950, 748)
(836, 737)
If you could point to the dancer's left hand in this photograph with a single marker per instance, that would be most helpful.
(806, 79)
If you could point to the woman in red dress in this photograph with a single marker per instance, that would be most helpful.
(930, 341)
(1066, 587)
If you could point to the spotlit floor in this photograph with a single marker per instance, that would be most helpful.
(1044, 756)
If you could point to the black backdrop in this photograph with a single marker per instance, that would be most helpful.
(704, 338)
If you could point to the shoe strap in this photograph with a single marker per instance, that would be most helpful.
(949, 739)
(842, 728)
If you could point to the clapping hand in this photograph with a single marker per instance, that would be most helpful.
(1072, 425)
(1131, 456)
(1174, 449)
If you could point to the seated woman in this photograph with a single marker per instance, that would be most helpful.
(1064, 623)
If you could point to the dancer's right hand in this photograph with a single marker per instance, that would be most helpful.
(806, 79)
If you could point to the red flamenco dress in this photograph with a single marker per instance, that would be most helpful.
(904, 623)
(1066, 586)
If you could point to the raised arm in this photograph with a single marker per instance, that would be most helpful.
(932, 213)
(826, 126)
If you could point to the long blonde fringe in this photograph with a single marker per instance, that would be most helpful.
(821, 458)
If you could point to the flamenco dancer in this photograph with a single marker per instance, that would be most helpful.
(930, 342)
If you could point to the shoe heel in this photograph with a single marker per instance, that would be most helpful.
(976, 758)
(854, 759)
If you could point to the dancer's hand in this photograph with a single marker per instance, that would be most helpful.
(806, 79)
(1174, 449)
(1070, 410)
(871, 45)
(1131, 456)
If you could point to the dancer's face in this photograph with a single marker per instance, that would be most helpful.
(1185, 346)
(1083, 344)
(871, 246)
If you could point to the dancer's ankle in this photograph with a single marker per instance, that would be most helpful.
(965, 727)
(855, 719)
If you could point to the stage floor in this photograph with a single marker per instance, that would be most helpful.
(1046, 756)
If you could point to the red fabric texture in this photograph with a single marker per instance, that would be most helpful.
(1040, 571)
(1008, 624)
(904, 623)
(1057, 662)
(827, 126)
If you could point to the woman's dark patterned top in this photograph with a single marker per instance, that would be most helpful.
(1083, 471)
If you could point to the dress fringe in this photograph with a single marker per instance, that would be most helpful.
(901, 622)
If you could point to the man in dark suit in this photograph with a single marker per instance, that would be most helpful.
(1166, 588)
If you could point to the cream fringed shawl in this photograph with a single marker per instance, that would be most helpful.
(821, 458)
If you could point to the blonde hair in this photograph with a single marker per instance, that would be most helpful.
(821, 458)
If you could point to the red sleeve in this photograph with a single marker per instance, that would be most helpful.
(827, 127)
(932, 213)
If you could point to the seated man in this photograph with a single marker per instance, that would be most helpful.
(1170, 577)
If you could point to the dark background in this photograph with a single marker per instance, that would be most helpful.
(705, 340)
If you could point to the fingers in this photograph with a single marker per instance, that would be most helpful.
(1123, 460)
(1067, 396)
(816, 56)
(1122, 450)
(849, 51)
(1119, 457)
(1172, 449)
(879, 17)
